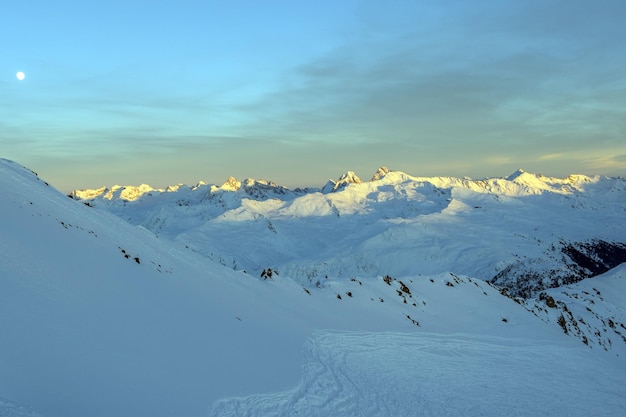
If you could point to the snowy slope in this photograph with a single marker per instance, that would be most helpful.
(430, 375)
(100, 318)
(592, 310)
(526, 232)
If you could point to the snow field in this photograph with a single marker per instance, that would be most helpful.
(423, 374)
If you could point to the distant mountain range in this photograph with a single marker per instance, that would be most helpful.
(525, 232)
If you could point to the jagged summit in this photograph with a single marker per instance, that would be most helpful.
(380, 173)
(346, 179)
(256, 188)
(231, 184)
(350, 177)
(174, 188)
(516, 175)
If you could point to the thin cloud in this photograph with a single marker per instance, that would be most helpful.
(616, 163)
(551, 157)
(403, 84)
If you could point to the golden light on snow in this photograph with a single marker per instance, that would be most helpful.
(20, 75)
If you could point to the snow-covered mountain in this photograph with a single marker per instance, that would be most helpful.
(100, 317)
(526, 232)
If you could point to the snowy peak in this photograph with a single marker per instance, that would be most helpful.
(516, 175)
(346, 179)
(118, 192)
(256, 189)
(231, 184)
(131, 193)
(174, 188)
(380, 173)
(349, 178)
(538, 183)
(260, 189)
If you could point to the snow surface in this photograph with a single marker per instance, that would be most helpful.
(99, 317)
(422, 374)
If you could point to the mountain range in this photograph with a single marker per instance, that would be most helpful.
(499, 296)
(525, 232)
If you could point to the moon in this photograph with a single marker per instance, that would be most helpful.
(20, 75)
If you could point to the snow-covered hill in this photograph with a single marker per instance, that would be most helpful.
(99, 317)
(591, 310)
(526, 232)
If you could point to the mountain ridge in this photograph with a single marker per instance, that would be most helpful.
(520, 177)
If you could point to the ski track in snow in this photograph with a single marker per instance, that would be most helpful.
(394, 374)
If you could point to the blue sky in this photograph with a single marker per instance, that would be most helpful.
(162, 92)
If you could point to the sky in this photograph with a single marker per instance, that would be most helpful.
(166, 92)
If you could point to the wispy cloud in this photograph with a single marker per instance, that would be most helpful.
(602, 164)
(459, 83)
(551, 156)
